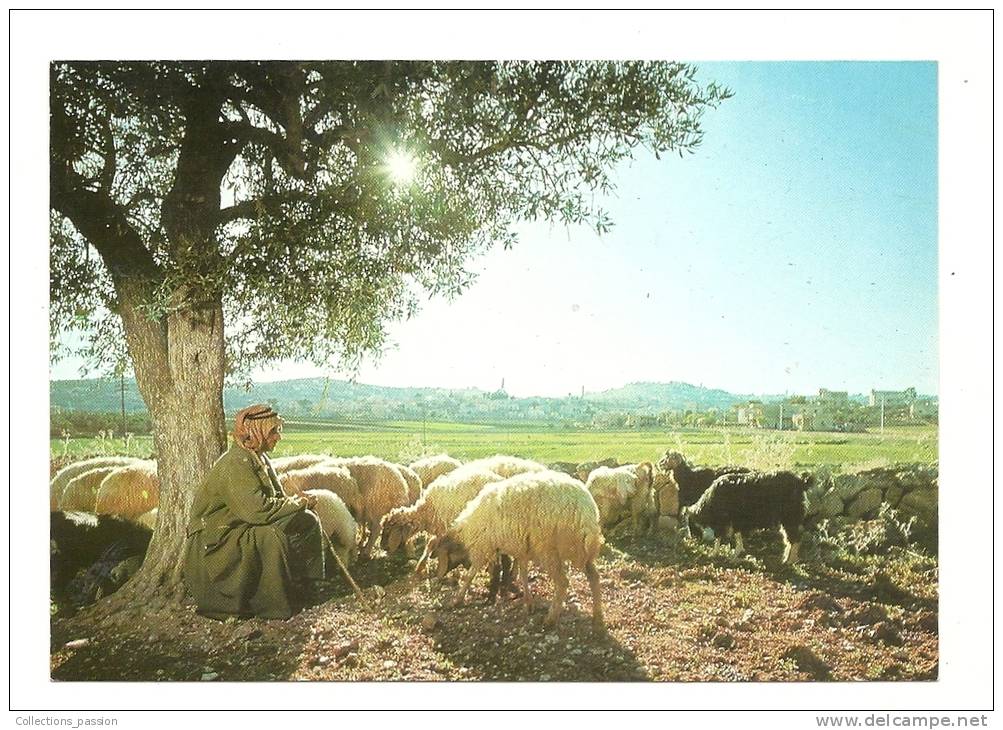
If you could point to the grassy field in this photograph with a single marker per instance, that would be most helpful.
(404, 441)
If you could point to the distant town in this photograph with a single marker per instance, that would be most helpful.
(83, 407)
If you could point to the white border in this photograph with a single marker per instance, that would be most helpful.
(960, 41)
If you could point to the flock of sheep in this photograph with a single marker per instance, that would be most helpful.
(500, 512)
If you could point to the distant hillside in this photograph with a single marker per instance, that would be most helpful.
(323, 398)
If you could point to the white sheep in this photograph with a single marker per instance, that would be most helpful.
(428, 468)
(382, 488)
(547, 517)
(437, 507)
(624, 490)
(129, 491)
(328, 476)
(62, 477)
(507, 466)
(414, 482)
(282, 464)
(337, 523)
(81, 491)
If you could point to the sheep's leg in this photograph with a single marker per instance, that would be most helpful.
(791, 544)
(374, 533)
(597, 618)
(522, 566)
(560, 578)
(461, 592)
(739, 547)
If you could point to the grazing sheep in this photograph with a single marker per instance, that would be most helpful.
(104, 576)
(129, 491)
(334, 478)
(693, 482)
(62, 477)
(283, 464)
(626, 489)
(413, 482)
(149, 519)
(546, 516)
(337, 523)
(436, 509)
(81, 491)
(428, 468)
(737, 503)
(78, 539)
(507, 466)
(382, 488)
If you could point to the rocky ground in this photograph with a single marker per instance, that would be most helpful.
(675, 611)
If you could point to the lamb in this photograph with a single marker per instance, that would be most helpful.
(327, 476)
(507, 466)
(428, 468)
(625, 489)
(737, 503)
(78, 539)
(62, 477)
(693, 482)
(382, 488)
(337, 523)
(436, 509)
(81, 491)
(129, 491)
(283, 464)
(544, 516)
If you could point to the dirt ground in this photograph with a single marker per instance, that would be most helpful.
(675, 611)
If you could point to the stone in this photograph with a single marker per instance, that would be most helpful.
(893, 494)
(209, 676)
(848, 486)
(920, 503)
(429, 622)
(831, 505)
(866, 504)
(820, 602)
(77, 643)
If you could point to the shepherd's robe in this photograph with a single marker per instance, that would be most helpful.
(249, 548)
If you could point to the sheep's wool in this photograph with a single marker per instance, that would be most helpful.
(337, 523)
(431, 467)
(543, 516)
(58, 484)
(129, 491)
(81, 492)
(507, 466)
(283, 464)
(326, 476)
(443, 501)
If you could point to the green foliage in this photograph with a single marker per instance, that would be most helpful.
(264, 186)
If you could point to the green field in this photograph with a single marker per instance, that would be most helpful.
(404, 441)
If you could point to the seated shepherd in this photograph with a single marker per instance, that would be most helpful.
(251, 550)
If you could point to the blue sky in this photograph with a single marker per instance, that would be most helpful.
(796, 249)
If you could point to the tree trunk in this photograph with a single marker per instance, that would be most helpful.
(183, 389)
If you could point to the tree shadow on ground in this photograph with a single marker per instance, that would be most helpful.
(500, 643)
(833, 572)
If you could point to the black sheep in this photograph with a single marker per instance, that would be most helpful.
(737, 503)
(693, 482)
(79, 539)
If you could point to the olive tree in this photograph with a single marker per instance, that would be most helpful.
(208, 217)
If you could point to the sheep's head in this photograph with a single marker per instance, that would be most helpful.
(671, 460)
(448, 551)
(396, 531)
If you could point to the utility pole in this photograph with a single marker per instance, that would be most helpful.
(122, 392)
(882, 414)
(781, 424)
